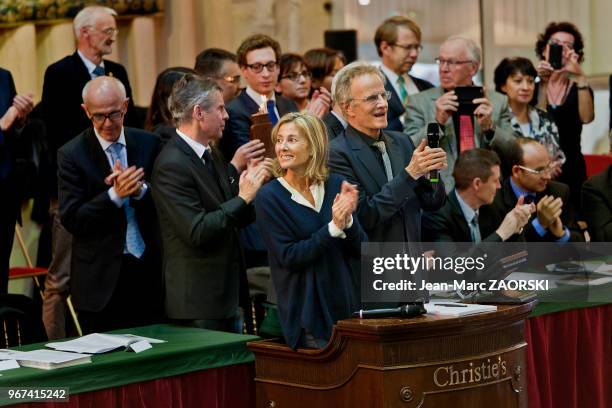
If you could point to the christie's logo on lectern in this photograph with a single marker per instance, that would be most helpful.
(472, 373)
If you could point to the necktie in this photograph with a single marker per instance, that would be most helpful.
(402, 87)
(208, 163)
(98, 71)
(134, 244)
(271, 112)
(380, 145)
(475, 229)
(466, 133)
(529, 198)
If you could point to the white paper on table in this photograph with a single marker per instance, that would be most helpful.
(8, 365)
(139, 346)
(96, 343)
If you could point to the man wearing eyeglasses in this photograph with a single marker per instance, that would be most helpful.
(390, 173)
(398, 42)
(221, 66)
(458, 62)
(531, 179)
(258, 58)
(105, 203)
(96, 32)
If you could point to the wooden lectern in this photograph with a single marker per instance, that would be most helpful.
(428, 361)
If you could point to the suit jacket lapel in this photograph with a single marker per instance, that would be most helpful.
(457, 215)
(210, 184)
(249, 104)
(366, 157)
(81, 72)
(395, 104)
(133, 152)
(97, 155)
(222, 172)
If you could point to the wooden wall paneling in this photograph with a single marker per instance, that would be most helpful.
(18, 55)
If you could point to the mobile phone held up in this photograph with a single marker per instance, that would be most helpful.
(465, 97)
(555, 53)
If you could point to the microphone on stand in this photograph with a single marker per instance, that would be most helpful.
(402, 311)
(433, 141)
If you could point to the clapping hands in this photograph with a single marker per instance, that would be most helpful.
(345, 205)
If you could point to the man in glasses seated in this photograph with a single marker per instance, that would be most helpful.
(221, 66)
(531, 168)
(462, 129)
(398, 42)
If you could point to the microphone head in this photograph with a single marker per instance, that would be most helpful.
(433, 135)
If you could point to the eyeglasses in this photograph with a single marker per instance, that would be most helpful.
(372, 99)
(537, 172)
(451, 63)
(232, 79)
(99, 118)
(569, 45)
(295, 76)
(258, 67)
(410, 47)
(107, 31)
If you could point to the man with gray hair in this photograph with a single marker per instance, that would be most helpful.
(96, 32)
(202, 202)
(389, 172)
(458, 62)
(105, 203)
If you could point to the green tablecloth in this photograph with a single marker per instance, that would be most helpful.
(577, 297)
(186, 350)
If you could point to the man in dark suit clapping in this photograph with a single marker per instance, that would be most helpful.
(96, 32)
(105, 203)
(201, 202)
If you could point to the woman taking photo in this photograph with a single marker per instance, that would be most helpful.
(306, 218)
(567, 96)
(515, 77)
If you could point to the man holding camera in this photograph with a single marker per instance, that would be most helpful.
(468, 117)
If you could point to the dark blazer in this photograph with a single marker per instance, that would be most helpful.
(396, 108)
(62, 98)
(492, 215)
(199, 219)
(597, 205)
(387, 211)
(8, 185)
(448, 224)
(238, 125)
(98, 226)
(311, 270)
(333, 125)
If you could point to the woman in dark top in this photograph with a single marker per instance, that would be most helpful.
(306, 219)
(567, 96)
(159, 120)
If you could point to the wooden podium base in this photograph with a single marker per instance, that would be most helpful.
(428, 361)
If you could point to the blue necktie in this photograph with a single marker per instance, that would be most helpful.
(98, 71)
(529, 198)
(271, 112)
(134, 244)
(475, 230)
